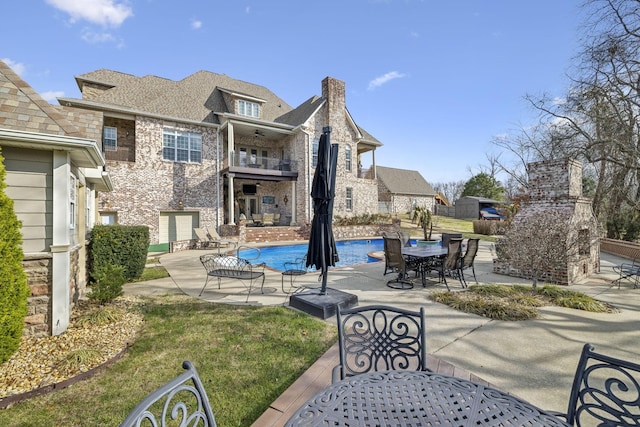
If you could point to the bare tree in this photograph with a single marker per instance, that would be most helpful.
(451, 190)
(540, 245)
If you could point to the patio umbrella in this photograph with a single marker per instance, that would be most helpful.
(322, 251)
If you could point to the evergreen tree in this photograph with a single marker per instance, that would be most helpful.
(14, 289)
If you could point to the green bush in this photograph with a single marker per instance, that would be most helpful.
(14, 289)
(107, 285)
(364, 219)
(120, 245)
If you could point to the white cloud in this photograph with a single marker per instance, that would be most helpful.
(379, 81)
(93, 37)
(196, 24)
(18, 67)
(103, 12)
(247, 9)
(52, 95)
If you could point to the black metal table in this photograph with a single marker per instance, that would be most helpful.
(424, 256)
(410, 398)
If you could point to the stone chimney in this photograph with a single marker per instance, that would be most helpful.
(333, 90)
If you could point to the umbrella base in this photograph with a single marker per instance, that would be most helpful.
(323, 306)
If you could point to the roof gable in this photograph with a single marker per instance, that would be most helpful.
(24, 110)
(403, 181)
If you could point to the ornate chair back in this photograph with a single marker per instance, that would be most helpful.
(379, 338)
(605, 391)
(183, 398)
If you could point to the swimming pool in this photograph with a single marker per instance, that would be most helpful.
(350, 252)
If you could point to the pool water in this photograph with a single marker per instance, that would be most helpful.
(350, 252)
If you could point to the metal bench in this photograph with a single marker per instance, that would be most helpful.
(224, 266)
(630, 272)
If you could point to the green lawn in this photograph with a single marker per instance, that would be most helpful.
(246, 357)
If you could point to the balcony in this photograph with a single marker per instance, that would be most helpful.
(258, 167)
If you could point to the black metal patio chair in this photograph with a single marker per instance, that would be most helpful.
(380, 338)
(605, 391)
(468, 259)
(294, 269)
(397, 263)
(450, 264)
(182, 401)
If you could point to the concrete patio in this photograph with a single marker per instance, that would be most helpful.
(532, 359)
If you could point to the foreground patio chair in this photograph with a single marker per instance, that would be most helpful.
(380, 338)
(605, 391)
(626, 271)
(183, 399)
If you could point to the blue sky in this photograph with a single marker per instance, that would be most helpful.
(434, 80)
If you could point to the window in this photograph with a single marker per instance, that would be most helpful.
(314, 155)
(179, 146)
(109, 138)
(108, 218)
(88, 208)
(347, 154)
(349, 199)
(73, 201)
(246, 108)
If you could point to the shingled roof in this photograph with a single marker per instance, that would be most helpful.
(198, 97)
(193, 98)
(403, 181)
(24, 110)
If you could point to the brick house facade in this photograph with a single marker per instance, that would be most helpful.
(209, 151)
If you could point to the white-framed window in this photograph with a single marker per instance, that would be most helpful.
(108, 218)
(109, 138)
(247, 108)
(349, 199)
(347, 154)
(73, 201)
(179, 146)
(314, 152)
(88, 207)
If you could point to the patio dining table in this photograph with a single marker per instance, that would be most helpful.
(424, 256)
(417, 398)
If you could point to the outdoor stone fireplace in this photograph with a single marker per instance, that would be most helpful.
(556, 186)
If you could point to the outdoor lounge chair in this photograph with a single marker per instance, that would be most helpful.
(211, 238)
(183, 398)
(380, 338)
(267, 219)
(605, 391)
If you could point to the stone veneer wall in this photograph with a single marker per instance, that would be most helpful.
(38, 269)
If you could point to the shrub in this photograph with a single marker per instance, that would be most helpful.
(364, 219)
(121, 245)
(14, 289)
(108, 284)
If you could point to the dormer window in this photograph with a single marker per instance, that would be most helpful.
(247, 108)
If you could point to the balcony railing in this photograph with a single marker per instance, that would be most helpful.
(259, 162)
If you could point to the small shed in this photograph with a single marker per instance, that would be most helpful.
(469, 207)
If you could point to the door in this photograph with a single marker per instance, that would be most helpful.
(251, 202)
(175, 226)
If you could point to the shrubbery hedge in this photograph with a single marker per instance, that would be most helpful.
(118, 245)
(14, 289)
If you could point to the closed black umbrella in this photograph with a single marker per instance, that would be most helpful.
(322, 251)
